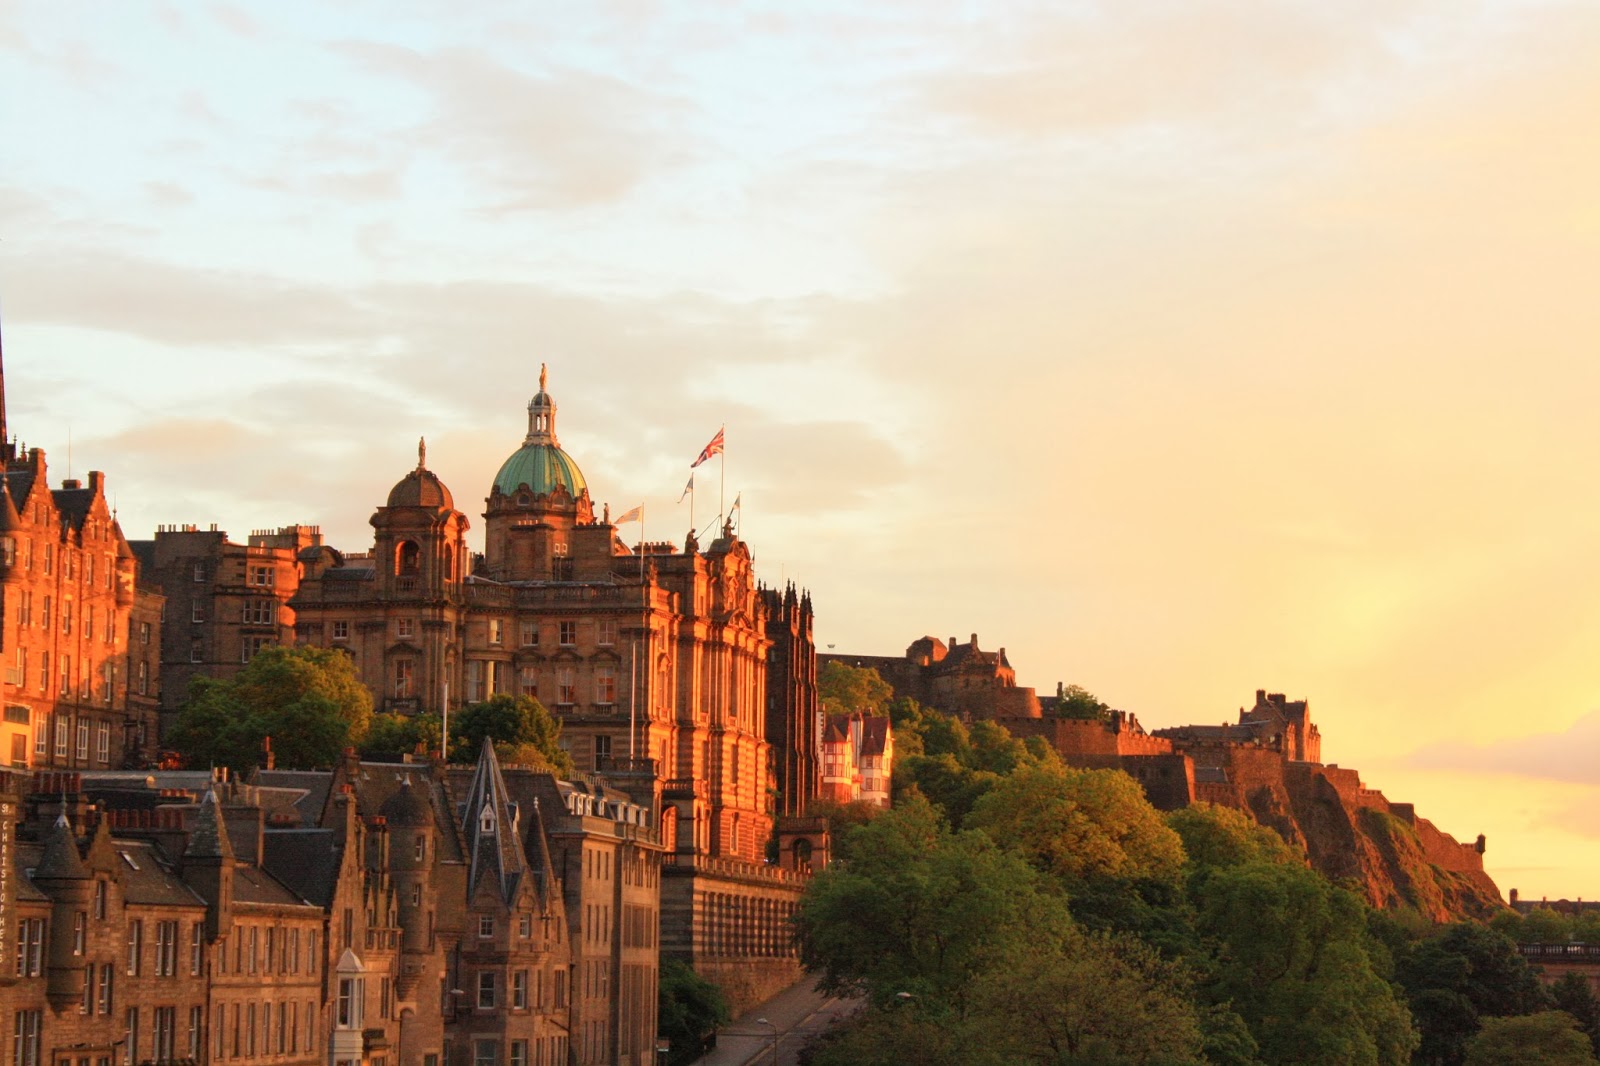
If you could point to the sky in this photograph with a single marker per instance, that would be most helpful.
(1180, 348)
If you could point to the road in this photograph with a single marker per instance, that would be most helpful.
(798, 1013)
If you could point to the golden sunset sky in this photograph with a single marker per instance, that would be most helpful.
(1182, 349)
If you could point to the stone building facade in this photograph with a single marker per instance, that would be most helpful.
(78, 687)
(224, 601)
(675, 675)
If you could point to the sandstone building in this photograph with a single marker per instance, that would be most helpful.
(675, 675)
(224, 601)
(78, 632)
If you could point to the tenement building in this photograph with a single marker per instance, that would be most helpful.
(77, 630)
(674, 674)
(224, 601)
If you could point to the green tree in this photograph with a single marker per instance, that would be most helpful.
(844, 689)
(1078, 702)
(1572, 994)
(1549, 1038)
(1545, 926)
(1216, 836)
(691, 1009)
(522, 730)
(308, 700)
(392, 736)
(912, 907)
(1077, 824)
(1462, 974)
(1294, 959)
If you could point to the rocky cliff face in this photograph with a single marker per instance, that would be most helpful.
(1354, 834)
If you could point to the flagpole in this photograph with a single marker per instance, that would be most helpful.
(722, 467)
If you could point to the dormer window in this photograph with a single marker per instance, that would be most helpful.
(486, 821)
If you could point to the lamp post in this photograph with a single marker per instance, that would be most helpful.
(763, 1021)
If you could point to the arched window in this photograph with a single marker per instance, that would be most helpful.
(408, 559)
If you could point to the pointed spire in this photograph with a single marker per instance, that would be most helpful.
(8, 450)
(489, 822)
(209, 837)
(10, 517)
(61, 858)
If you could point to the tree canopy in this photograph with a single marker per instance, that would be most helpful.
(308, 700)
(522, 731)
(1549, 1038)
(845, 689)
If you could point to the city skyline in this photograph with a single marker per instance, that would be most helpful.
(1181, 351)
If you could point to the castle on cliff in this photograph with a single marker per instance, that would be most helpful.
(1267, 763)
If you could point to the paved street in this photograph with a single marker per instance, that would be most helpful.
(798, 1012)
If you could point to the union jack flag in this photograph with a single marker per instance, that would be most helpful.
(714, 448)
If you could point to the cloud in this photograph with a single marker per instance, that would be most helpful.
(1570, 755)
(540, 139)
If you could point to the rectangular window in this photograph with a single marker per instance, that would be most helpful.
(63, 730)
(475, 674)
(250, 1044)
(385, 998)
(605, 684)
(253, 951)
(519, 1053)
(41, 736)
(130, 1030)
(25, 608)
(80, 933)
(197, 612)
(293, 950)
(83, 740)
(49, 557)
(199, 571)
(166, 949)
(44, 615)
(66, 616)
(405, 628)
(528, 681)
(568, 632)
(403, 677)
(163, 1027)
(348, 1010)
(602, 749)
(135, 946)
(25, 1037)
(196, 1018)
(525, 925)
(528, 633)
(221, 1030)
(607, 635)
(486, 990)
(106, 988)
(341, 631)
(261, 576)
(497, 631)
(30, 947)
(519, 990)
(102, 742)
(260, 611)
(144, 678)
(197, 652)
(144, 632)
(485, 1052)
(566, 686)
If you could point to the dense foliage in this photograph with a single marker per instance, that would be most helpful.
(522, 731)
(308, 700)
(1011, 909)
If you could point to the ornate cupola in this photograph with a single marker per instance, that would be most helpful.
(538, 497)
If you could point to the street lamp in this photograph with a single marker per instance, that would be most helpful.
(763, 1021)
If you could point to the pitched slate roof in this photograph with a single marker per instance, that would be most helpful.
(489, 822)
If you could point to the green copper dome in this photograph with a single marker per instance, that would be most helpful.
(541, 467)
(540, 464)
